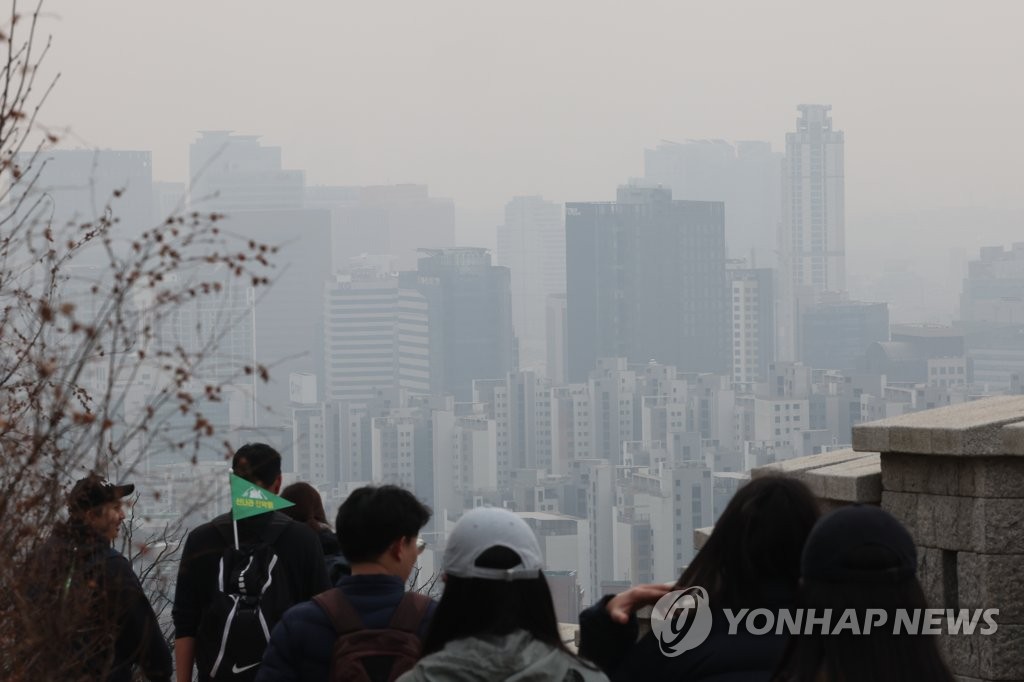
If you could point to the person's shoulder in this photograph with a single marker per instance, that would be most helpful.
(206, 537)
(294, 531)
(306, 614)
(208, 528)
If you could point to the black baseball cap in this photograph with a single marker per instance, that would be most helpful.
(94, 491)
(859, 544)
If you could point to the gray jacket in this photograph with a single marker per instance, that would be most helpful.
(516, 657)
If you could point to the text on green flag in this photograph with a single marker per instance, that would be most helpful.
(248, 499)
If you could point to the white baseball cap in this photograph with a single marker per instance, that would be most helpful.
(483, 528)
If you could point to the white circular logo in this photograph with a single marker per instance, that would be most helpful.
(681, 620)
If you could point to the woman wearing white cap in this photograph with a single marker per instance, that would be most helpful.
(496, 619)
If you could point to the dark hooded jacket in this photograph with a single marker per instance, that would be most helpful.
(95, 620)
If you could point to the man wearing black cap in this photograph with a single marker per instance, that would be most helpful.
(95, 620)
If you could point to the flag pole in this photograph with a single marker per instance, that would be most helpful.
(250, 499)
(234, 521)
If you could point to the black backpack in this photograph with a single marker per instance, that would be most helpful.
(252, 595)
(373, 655)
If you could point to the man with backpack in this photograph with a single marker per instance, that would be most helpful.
(368, 628)
(240, 572)
(94, 620)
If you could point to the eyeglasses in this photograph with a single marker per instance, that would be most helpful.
(421, 545)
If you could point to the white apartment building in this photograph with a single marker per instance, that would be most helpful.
(377, 337)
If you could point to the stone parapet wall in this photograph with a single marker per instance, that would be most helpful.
(955, 477)
(836, 478)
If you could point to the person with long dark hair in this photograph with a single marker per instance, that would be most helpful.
(309, 509)
(496, 618)
(751, 560)
(861, 558)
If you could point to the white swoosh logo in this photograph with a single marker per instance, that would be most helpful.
(235, 669)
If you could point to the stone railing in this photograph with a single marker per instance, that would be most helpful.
(955, 477)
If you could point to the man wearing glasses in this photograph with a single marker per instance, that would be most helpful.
(369, 611)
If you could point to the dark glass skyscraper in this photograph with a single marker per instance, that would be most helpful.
(470, 308)
(646, 280)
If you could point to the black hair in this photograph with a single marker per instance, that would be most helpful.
(257, 463)
(880, 655)
(373, 517)
(476, 607)
(758, 539)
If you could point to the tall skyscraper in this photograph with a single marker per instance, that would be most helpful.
(470, 307)
(290, 312)
(646, 280)
(531, 244)
(744, 176)
(812, 242)
(242, 178)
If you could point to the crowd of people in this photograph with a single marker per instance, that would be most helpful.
(284, 596)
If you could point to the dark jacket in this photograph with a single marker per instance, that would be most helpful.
(722, 657)
(301, 643)
(93, 610)
(337, 565)
(298, 550)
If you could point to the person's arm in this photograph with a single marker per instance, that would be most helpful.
(279, 658)
(186, 612)
(608, 629)
(184, 658)
(139, 638)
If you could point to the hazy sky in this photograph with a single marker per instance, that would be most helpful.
(487, 99)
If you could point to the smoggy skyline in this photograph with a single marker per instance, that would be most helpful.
(488, 100)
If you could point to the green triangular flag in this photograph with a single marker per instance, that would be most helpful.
(248, 499)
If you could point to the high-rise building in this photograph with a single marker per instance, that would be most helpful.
(76, 186)
(396, 220)
(377, 337)
(613, 397)
(992, 315)
(289, 313)
(812, 241)
(237, 175)
(753, 324)
(837, 334)
(520, 406)
(531, 244)
(470, 307)
(646, 280)
(744, 176)
(993, 291)
(556, 339)
(231, 172)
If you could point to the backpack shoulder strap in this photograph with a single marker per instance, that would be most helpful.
(410, 612)
(343, 617)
